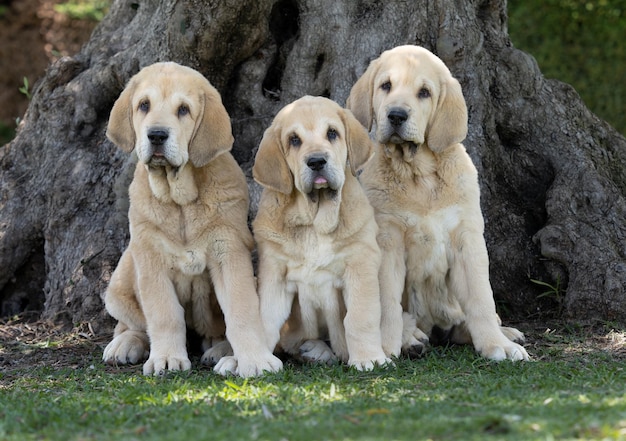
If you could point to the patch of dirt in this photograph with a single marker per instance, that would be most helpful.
(26, 344)
(546, 341)
(33, 35)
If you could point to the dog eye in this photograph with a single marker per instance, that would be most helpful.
(295, 141)
(332, 134)
(386, 86)
(144, 106)
(423, 93)
(183, 110)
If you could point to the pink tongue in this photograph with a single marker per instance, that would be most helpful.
(320, 180)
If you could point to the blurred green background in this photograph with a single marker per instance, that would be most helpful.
(580, 42)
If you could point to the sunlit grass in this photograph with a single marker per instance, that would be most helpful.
(450, 394)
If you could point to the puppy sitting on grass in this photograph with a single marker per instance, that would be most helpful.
(189, 250)
(316, 236)
(424, 189)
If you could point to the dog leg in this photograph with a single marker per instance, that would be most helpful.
(391, 281)
(233, 280)
(130, 342)
(470, 280)
(166, 324)
(275, 300)
(363, 316)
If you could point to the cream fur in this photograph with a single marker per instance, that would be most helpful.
(318, 256)
(188, 262)
(424, 189)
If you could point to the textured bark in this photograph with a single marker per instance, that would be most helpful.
(552, 174)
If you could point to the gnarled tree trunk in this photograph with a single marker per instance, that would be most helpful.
(551, 173)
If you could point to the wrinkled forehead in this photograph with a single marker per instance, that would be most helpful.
(167, 89)
(410, 70)
(157, 98)
(309, 119)
(164, 90)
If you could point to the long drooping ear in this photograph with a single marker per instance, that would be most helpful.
(213, 133)
(270, 166)
(449, 125)
(359, 101)
(120, 128)
(360, 146)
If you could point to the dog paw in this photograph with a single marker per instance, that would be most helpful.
(317, 351)
(130, 347)
(513, 334)
(244, 367)
(414, 340)
(252, 367)
(510, 351)
(416, 350)
(368, 365)
(160, 364)
(216, 352)
(414, 343)
(226, 366)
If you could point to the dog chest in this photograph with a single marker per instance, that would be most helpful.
(430, 241)
(315, 262)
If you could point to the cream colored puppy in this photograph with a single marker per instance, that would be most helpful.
(424, 189)
(189, 250)
(316, 236)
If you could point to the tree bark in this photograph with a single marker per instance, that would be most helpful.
(551, 173)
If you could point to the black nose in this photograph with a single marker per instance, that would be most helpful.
(316, 162)
(158, 136)
(397, 117)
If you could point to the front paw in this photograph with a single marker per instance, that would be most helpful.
(368, 365)
(317, 351)
(216, 352)
(252, 367)
(159, 364)
(128, 347)
(508, 351)
(247, 367)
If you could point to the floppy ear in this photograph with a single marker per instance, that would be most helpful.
(360, 146)
(359, 101)
(270, 167)
(450, 119)
(213, 133)
(120, 128)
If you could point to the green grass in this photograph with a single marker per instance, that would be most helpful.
(569, 392)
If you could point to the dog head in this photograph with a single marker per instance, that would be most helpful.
(412, 98)
(309, 145)
(171, 115)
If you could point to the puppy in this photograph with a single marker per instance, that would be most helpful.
(189, 244)
(316, 236)
(424, 189)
